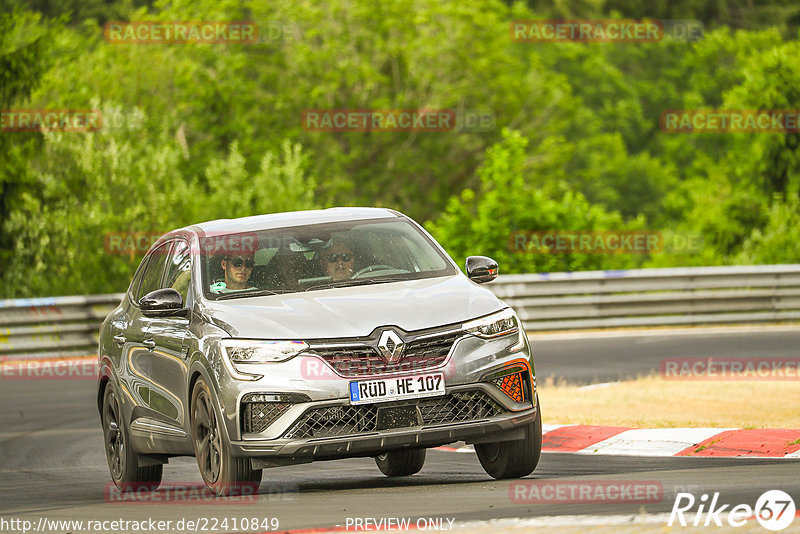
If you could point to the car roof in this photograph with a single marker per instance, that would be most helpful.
(291, 218)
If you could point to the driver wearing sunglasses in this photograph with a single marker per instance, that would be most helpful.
(337, 262)
(237, 269)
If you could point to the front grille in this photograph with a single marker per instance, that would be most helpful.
(338, 421)
(363, 360)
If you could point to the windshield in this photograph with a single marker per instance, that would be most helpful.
(320, 256)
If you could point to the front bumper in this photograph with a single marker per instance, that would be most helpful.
(472, 413)
(286, 452)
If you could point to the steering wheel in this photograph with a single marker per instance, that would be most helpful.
(372, 268)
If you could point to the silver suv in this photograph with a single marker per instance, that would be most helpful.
(287, 338)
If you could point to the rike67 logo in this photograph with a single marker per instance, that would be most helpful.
(774, 510)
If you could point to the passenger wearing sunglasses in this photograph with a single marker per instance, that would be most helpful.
(237, 273)
(337, 261)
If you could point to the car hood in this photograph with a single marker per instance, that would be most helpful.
(354, 311)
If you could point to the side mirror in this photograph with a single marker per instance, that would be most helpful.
(481, 269)
(162, 302)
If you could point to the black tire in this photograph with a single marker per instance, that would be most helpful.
(401, 463)
(223, 473)
(513, 459)
(123, 462)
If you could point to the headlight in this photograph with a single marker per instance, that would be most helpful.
(502, 323)
(262, 351)
(495, 325)
(239, 353)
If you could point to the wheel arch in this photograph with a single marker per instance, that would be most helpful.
(104, 375)
(196, 371)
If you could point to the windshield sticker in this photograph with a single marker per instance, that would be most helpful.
(218, 286)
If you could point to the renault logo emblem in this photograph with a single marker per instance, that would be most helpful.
(391, 346)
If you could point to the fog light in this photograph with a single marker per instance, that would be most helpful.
(512, 386)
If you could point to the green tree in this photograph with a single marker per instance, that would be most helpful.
(482, 222)
(95, 184)
(25, 40)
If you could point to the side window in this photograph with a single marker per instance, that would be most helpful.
(179, 269)
(151, 279)
(137, 278)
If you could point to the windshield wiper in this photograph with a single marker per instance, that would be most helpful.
(251, 293)
(358, 282)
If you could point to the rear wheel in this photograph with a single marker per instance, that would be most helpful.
(123, 462)
(223, 473)
(401, 463)
(513, 459)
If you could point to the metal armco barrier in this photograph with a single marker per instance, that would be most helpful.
(653, 297)
(52, 326)
(68, 326)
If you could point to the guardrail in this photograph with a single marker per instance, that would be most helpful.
(52, 326)
(653, 297)
(68, 326)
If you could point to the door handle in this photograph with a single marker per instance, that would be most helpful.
(149, 343)
(119, 339)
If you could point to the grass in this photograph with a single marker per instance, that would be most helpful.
(651, 402)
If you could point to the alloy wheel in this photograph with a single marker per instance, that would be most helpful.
(207, 435)
(115, 440)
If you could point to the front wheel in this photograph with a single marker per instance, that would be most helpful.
(123, 462)
(223, 473)
(401, 463)
(513, 459)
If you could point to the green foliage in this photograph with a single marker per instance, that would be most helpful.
(747, 14)
(485, 222)
(201, 131)
(739, 190)
(777, 241)
(24, 45)
(117, 181)
(80, 10)
(280, 184)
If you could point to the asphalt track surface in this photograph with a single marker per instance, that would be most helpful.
(52, 463)
(595, 358)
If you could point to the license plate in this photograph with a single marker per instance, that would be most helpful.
(398, 388)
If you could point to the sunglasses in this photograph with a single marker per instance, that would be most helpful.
(333, 258)
(238, 262)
